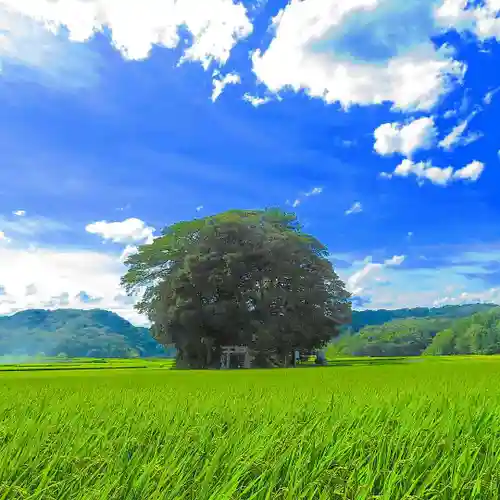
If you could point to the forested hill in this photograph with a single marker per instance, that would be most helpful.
(369, 317)
(477, 333)
(75, 333)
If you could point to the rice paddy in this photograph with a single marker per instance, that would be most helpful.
(388, 429)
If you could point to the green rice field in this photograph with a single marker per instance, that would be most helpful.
(422, 428)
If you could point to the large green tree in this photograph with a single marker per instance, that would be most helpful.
(240, 277)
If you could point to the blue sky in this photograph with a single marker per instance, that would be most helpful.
(374, 120)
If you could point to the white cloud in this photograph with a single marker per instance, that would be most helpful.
(128, 231)
(405, 139)
(491, 295)
(482, 20)
(219, 82)
(19, 213)
(440, 176)
(355, 208)
(254, 100)
(26, 44)
(50, 278)
(456, 136)
(449, 114)
(135, 26)
(396, 260)
(470, 172)
(424, 170)
(30, 226)
(359, 52)
(488, 98)
(128, 251)
(371, 271)
(314, 191)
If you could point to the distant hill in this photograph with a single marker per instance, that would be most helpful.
(471, 329)
(75, 333)
(476, 334)
(370, 317)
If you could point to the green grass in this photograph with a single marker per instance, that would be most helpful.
(391, 430)
(86, 364)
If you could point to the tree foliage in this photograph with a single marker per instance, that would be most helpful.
(477, 334)
(240, 277)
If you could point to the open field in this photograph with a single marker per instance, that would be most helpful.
(84, 364)
(393, 429)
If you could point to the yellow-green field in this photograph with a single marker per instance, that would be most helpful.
(86, 364)
(392, 430)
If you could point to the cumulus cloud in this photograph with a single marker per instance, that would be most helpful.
(254, 100)
(359, 52)
(372, 271)
(50, 278)
(128, 231)
(135, 26)
(483, 20)
(355, 208)
(405, 138)
(470, 172)
(220, 82)
(425, 170)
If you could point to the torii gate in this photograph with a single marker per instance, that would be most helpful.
(229, 350)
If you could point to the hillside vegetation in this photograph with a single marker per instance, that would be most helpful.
(74, 333)
(437, 334)
(369, 317)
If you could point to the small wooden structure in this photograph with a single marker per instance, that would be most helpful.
(239, 354)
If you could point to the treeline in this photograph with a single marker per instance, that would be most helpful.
(477, 334)
(361, 319)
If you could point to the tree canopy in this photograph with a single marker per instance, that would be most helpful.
(241, 277)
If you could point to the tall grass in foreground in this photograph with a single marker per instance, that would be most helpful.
(422, 430)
